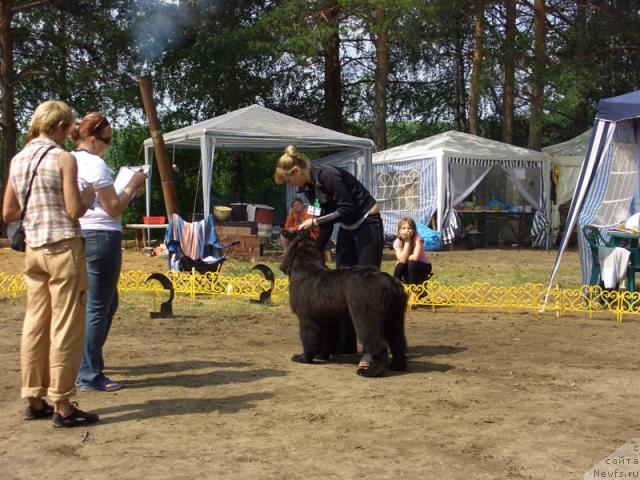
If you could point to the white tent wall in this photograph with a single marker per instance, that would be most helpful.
(567, 158)
(207, 151)
(406, 188)
(432, 159)
(462, 174)
(259, 129)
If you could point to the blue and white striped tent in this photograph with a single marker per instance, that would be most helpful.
(436, 174)
(608, 188)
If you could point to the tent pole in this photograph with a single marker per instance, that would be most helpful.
(148, 153)
(207, 150)
(164, 167)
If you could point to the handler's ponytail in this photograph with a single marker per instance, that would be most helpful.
(291, 158)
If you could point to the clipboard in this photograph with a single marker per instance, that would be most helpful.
(125, 174)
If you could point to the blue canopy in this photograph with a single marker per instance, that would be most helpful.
(618, 108)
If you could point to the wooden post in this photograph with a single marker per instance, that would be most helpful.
(164, 167)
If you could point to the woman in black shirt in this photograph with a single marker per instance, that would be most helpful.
(344, 200)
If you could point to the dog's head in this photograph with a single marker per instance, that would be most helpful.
(302, 250)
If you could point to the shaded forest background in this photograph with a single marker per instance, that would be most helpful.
(526, 72)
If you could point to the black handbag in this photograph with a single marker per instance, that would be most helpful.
(18, 238)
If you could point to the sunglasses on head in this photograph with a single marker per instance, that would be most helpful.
(102, 123)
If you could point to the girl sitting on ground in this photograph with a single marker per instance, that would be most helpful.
(413, 265)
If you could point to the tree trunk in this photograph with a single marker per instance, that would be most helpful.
(478, 53)
(508, 99)
(581, 119)
(239, 189)
(461, 92)
(8, 122)
(381, 79)
(332, 71)
(537, 89)
(65, 93)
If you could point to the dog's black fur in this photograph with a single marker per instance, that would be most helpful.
(322, 297)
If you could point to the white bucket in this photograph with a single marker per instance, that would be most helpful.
(264, 230)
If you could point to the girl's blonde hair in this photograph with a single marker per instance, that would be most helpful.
(47, 116)
(291, 158)
(408, 220)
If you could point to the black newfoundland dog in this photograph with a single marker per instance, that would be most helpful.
(322, 298)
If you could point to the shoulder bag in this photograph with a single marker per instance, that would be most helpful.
(18, 239)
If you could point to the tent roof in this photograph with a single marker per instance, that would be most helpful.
(457, 144)
(259, 128)
(618, 108)
(571, 152)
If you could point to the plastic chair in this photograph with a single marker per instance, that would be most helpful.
(194, 245)
(595, 240)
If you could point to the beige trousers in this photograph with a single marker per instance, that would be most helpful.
(53, 330)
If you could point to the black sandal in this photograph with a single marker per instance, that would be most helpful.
(38, 413)
(77, 419)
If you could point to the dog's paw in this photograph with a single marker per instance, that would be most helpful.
(300, 358)
(377, 368)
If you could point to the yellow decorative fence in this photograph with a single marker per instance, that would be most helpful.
(587, 299)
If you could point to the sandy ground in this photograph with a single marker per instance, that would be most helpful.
(212, 394)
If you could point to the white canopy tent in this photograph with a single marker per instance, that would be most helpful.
(256, 128)
(435, 174)
(566, 160)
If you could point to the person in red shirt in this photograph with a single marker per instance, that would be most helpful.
(297, 215)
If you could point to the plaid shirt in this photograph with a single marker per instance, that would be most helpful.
(46, 220)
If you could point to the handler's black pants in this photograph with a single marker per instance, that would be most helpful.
(362, 246)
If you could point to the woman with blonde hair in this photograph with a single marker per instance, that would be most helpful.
(342, 199)
(43, 185)
(102, 231)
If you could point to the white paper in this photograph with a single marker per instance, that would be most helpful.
(125, 174)
(633, 222)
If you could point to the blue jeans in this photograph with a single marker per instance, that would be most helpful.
(103, 249)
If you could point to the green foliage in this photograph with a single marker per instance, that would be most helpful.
(208, 58)
(83, 57)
